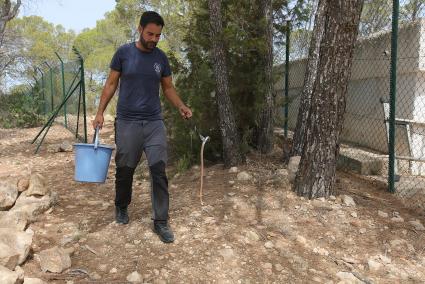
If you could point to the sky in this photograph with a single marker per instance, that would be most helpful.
(71, 14)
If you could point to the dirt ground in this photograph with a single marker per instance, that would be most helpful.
(255, 231)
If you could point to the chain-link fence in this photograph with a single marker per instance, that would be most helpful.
(62, 89)
(366, 132)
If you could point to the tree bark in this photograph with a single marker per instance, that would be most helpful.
(265, 126)
(230, 138)
(7, 13)
(309, 79)
(316, 174)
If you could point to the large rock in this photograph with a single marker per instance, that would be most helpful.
(13, 220)
(37, 186)
(55, 260)
(8, 276)
(34, 281)
(292, 168)
(31, 206)
(8, 194)
(14, 247)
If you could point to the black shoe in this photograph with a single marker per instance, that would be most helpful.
(164, 232)
(121, 215)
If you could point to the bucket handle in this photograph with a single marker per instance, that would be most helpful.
(96, 138)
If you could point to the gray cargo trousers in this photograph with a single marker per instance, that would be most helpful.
(132, 138)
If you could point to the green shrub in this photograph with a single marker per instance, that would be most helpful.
(20, 110)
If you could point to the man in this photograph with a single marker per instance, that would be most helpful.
(140, 67)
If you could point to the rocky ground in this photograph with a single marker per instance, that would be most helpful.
(251, 228)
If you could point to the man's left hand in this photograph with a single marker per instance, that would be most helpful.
(185, 112)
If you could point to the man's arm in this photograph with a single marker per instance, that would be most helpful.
(171, 94)
(107, 94)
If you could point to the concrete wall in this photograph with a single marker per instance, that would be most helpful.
(364, 121)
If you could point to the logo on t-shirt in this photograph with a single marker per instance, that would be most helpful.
(157, 68)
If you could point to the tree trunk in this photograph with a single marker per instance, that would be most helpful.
(229, 134)
(316, 174)
(309, 79)
(7, 13)
(265, 127)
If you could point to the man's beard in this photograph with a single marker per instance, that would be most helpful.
(150, 45)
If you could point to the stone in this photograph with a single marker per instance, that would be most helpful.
(33, 281)
(362, 230)
(301, 240)
(278, 267)
(54, 260)
(53, 148)
(113, 270)
(95, 276)
(348, 278)
(233, 170)
(244, 176)
(21, 273)
(14, 247)
(397, 219)
(37, 186)
(65, 146)
(417, 225)
(227, 254)
(31, 206)
(268, 265)
(23, 184)
(348, 201)
(384, 259)
(354, 214)
(269, 245)
(321, 251)
(8, 194)
(382, 214)
(373, 265)
(13, 220)
(8, 276)
(252, 236)
(292, 168)
(134, 277)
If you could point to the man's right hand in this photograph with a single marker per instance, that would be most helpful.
(98, 121)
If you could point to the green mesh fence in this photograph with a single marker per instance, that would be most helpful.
(61, 86)
(365, 135)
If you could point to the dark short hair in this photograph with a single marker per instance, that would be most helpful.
(151, 17)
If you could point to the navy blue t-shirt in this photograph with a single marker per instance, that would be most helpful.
(141, 74)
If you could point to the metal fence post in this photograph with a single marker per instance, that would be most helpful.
(63, 88)
(393, 87)
(82, 90)
(288, 34)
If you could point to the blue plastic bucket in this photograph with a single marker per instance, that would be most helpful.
(92, 161)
